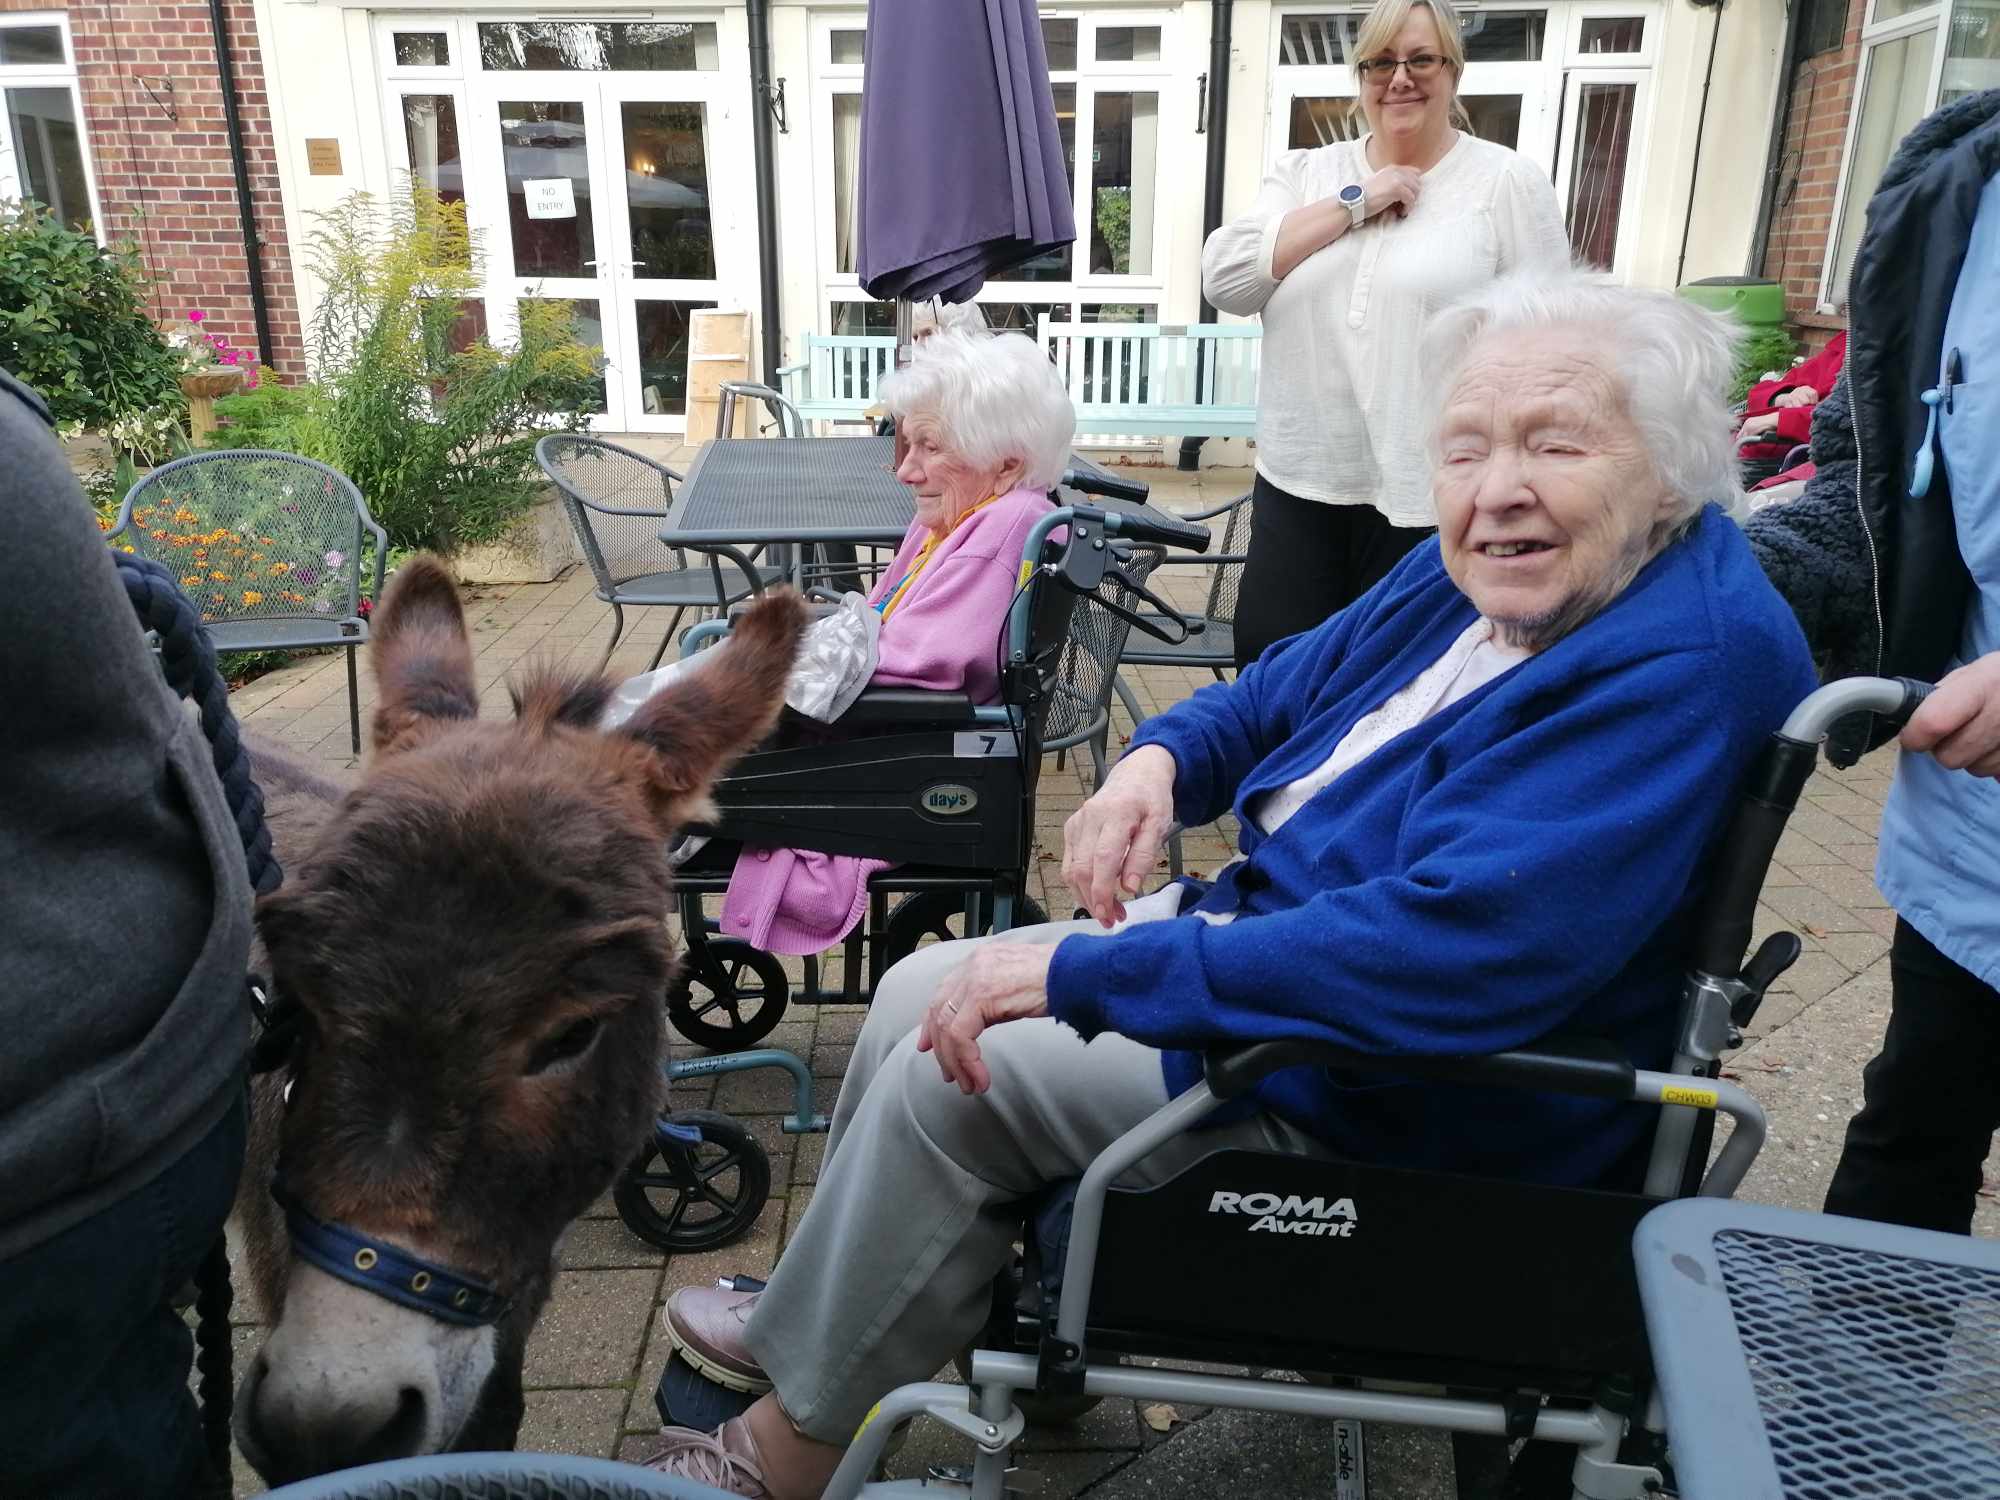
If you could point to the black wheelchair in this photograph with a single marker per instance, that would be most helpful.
(940, 786)
(1516, 1304)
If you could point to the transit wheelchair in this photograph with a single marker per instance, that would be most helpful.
(941, 787)
(1515, 1306)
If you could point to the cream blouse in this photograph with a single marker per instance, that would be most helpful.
(1340, 400)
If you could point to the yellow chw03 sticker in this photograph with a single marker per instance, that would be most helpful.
(1679, 1094)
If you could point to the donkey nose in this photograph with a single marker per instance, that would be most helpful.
(297, 1419)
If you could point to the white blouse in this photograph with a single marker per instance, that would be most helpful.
(1339, 407)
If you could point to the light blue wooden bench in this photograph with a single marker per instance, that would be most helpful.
(840, 376)
(1158, 379)
(1136, 379)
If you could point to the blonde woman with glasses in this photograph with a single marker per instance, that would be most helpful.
(1345, 254)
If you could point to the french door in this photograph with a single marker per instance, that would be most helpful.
(618, 196)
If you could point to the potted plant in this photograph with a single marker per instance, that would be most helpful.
(211, 366)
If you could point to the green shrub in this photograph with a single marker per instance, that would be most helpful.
(440, 439)
(1761, 351)
(73, 324)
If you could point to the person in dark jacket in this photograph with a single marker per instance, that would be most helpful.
(1893, 575)
(124, 938)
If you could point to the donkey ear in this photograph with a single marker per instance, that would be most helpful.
(702, 723)
(423, 660)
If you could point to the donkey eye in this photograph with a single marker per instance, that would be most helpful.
(571, 1042)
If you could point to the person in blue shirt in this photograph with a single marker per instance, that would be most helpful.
(1474, 808)
(1891, 559)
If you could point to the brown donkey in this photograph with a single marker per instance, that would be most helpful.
(474, 938)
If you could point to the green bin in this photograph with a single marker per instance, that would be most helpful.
(1757, 303)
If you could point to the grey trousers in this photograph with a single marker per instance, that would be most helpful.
(890, 1272)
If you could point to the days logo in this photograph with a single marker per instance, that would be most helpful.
(948, 799)
(1290, 1214)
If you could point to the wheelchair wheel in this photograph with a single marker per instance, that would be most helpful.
(696, 1196)
(735, 1003)
(939, 916)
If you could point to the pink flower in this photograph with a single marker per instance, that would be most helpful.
(335, 559)
(195, 315)
(229, 356)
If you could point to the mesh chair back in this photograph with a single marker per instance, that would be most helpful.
(253, 536)
(1228, 581)
(615, 500)
(1089, 665)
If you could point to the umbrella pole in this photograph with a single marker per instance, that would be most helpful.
(906, 346)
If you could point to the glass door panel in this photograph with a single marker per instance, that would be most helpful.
(546, 154)
(666, 190)
(1124, 170)
(550, 247)
(1597, 181)
(1054, 265)
(674, 214)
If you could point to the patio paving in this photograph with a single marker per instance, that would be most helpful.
(599, 1349)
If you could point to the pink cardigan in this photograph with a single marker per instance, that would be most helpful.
(944, 635)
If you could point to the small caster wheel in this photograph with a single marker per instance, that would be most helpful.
(733, 1000)
(697, 1193)
(926, 916)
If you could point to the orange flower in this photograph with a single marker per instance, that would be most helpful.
(279, 570)
(267, 541)
(127, 548)
(102, 524)
(220, 577)
(193, 580)
(201, 554)
(251, 598)
(216, 599)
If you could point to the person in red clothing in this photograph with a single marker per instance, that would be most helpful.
(1777, 415)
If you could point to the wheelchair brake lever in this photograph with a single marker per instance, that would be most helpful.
(1154, 625)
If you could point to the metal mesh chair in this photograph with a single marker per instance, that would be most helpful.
(1079, 710)
(267, 545)
(616, 500)
(1211, 640)
(790, 423)
(495, 1476)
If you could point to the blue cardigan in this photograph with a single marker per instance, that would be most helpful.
(1523, 862)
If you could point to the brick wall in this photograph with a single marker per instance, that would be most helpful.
(159, 144)
(1809, 177)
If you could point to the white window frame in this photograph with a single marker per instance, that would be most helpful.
(1936, 17)
(42, 76)
(1065, 299)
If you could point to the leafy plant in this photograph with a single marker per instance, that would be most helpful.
(73, 324)
(1761, 351)
(438, 431)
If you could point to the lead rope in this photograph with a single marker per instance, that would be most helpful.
(188, 657)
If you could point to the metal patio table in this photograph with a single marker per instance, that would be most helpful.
(747, 492)
(1808, 1357)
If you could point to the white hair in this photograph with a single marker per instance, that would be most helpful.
(939, 316)
(994, 397)
(1671, 360)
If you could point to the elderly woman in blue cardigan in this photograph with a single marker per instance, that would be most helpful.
(1474, 806)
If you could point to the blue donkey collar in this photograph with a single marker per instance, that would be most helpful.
(376, 1266)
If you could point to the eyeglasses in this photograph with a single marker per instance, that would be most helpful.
(1382, 70)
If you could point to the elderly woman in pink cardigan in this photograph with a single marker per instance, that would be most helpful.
(988, 425)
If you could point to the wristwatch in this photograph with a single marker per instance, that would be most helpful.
(1357, 203)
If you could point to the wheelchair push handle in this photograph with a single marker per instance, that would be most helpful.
(1167, 531)
(1776, 782)
(1097, 482)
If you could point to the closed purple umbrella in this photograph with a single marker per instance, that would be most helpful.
(961, 172)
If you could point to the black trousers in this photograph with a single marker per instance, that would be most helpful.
(1307, 561)
(94, 1400)
(1930, 1099)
